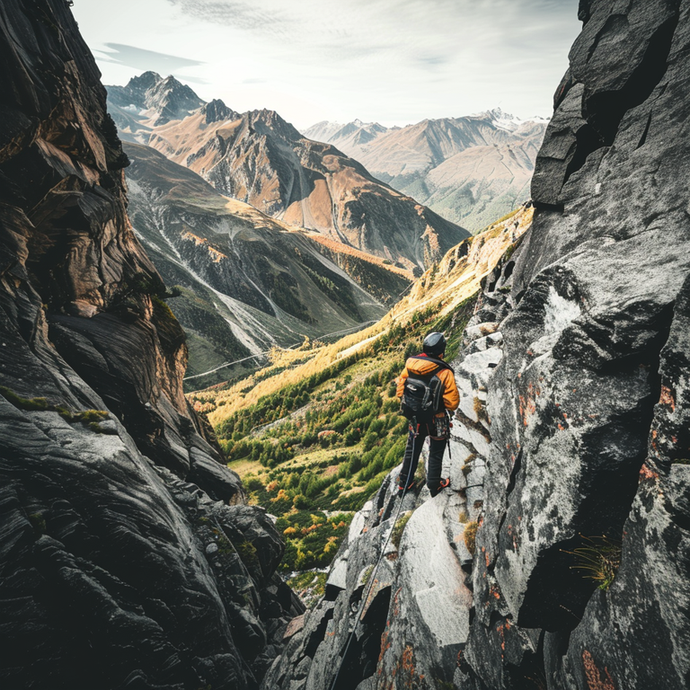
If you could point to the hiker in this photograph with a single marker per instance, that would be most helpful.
(428, 393)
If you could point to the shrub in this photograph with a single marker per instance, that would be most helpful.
(308, 439)
(399, 528)
(401, 426)
(253, 484)
(470, 536)
(352, 437)
(89, 416)
(248, 553)
(331, 546)
(65, 413)
(395, 454)
(289, 556)
(369, 441)
(301, 502)
(328, 437)
(23, 403)
(599, 560)
(300, 560)
(355, 464)
(377, 427)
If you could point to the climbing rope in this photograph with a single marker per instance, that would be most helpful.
(372, 577)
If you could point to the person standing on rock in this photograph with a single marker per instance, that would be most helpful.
(428, 393)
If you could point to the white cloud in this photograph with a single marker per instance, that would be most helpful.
(395, 61)
(146, 59)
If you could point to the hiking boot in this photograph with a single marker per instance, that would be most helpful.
(401, 488)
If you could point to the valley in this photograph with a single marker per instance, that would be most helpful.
(241, 281)
(316, 433)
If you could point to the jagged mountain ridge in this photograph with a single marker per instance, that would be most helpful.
(346, 137)
(129, 556)
(470, 170)
(267, 282)
(261, 159)
(560, 560)
(150, 96)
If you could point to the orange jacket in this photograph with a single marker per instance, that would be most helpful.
(451, 397)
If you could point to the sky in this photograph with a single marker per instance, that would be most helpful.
(395, 62)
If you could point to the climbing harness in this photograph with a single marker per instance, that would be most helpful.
(440, 428)
(372, 577)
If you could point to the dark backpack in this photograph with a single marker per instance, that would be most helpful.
(422, 394)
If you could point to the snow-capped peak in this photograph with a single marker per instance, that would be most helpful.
(506, 121)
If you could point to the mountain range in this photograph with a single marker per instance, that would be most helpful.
(268, 237)
(470, 170)
(244, 282)
(259, 158)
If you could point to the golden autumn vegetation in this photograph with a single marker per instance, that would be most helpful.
(314, 434)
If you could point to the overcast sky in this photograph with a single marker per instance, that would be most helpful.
(391, 61)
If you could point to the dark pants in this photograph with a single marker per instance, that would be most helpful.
(414, 448)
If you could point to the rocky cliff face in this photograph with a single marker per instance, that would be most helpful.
(128, 557)
(569, 457)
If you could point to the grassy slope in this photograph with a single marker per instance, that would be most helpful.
(314, 434)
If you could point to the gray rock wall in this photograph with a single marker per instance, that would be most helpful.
(585, 388)
(127, 557)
